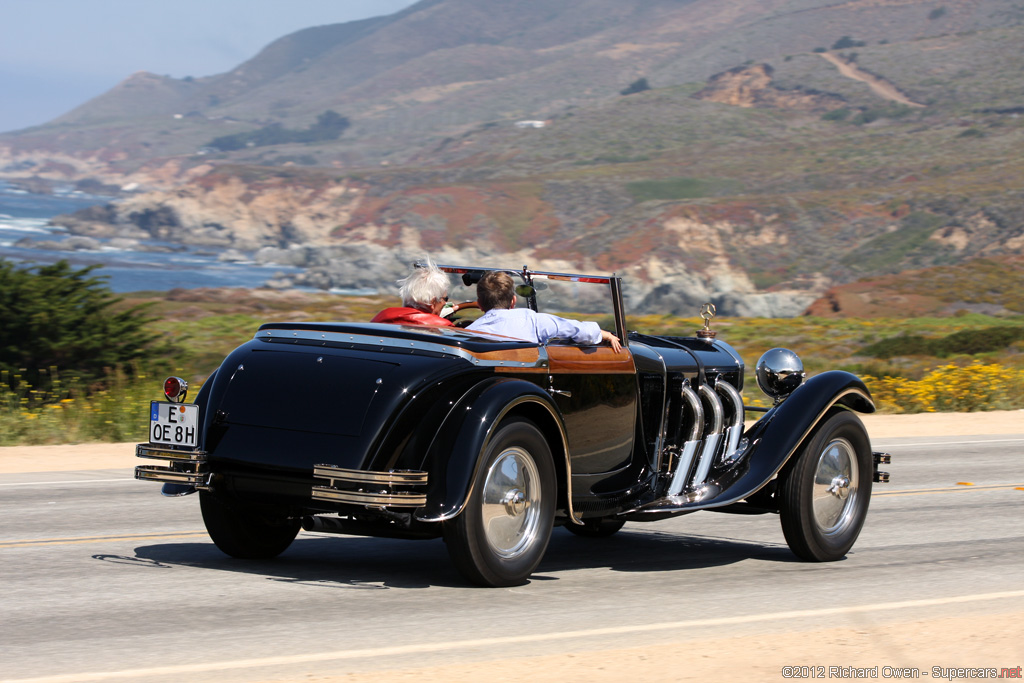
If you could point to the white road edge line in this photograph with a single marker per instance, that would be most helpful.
(70, 481)
(366, 653)
(883, 444)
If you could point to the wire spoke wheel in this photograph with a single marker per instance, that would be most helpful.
(825, 491)
(504, 529)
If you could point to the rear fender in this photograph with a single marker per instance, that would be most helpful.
(454, 456)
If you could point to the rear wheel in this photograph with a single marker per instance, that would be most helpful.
(824, 497)
(246, 532)
(501, 535)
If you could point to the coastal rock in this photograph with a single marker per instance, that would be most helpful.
(76, 243)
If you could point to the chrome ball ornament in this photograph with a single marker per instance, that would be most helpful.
(779, 372)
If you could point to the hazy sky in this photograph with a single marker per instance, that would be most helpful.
(56, 54)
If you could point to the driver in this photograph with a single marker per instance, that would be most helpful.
(424, 293)
(496, 295)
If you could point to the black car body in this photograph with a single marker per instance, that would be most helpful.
(420, 432)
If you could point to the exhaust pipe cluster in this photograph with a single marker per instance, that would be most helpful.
(712, 421)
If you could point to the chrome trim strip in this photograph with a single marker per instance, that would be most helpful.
(397, 477)
(144, 450)
(490, 433)
(405, 344)
(198, 476)
(169, 476)
(659, 439)
(396, 499)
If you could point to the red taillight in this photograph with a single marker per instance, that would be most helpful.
(175, 388)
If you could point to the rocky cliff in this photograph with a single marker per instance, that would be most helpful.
(346, 236)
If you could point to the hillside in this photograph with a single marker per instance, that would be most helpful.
(782, 147)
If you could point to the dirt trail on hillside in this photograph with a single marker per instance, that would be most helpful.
(880, 86)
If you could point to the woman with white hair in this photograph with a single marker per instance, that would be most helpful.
(424, 293)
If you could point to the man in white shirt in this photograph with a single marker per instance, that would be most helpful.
(496, 295)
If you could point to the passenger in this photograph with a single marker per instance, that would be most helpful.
(496, 295)
(424, 293)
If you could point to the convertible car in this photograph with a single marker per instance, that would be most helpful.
(490, 442)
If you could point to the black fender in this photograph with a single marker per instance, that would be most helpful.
(772, 440)
(454, 456)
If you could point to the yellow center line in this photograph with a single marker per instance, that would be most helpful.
(948, 489)
(98, 539)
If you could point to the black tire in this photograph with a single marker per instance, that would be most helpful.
(600, 527)
(501, 535)
(824, 497)
(245, 532)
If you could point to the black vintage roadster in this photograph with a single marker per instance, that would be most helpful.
(489, 442)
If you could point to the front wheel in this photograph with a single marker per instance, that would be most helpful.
(501, 535)
(824, 497)
(244, 531)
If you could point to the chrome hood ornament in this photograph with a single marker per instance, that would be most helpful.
(707, 311)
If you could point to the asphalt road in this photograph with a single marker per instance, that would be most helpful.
(103, 579)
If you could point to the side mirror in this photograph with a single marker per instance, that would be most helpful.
(525, 291)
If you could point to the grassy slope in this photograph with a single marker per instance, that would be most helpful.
(207, 324)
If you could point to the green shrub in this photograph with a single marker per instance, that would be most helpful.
(847, 41)
(964, 342)
(836, 114)
(56, 316)
(682, 188)
(329, 126)
(639, 85)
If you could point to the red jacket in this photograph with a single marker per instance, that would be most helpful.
(409, 316)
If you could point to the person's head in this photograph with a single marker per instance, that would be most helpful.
(495, 290)
(425, 289)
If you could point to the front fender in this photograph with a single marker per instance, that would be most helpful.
(774, 439)
(454, 456)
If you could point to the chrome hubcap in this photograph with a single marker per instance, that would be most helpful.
(835, 487)
(511, 502)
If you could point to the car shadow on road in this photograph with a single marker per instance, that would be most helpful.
(654, 551)
(351, 562)
(376, 563)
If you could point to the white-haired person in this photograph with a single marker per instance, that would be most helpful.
(424, 293)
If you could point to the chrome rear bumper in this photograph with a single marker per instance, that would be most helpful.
(184, 467)
(395, 488)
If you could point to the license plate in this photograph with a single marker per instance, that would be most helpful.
(174, 424)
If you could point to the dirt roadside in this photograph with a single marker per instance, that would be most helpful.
(988, 641)
(106, 456)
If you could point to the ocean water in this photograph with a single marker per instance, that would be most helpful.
(23, 214)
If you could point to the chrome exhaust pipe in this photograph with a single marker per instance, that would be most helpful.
(734, 431)
(713, 436)
(693, 440)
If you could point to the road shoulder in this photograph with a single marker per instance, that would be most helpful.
(106, 456)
